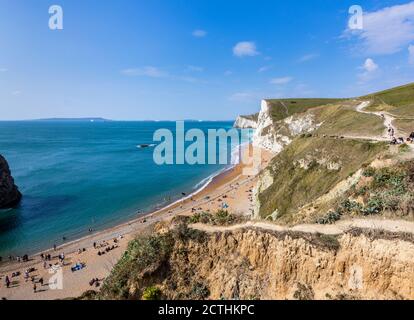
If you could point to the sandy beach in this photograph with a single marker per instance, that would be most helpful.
(231, 188)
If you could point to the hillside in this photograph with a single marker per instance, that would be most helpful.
(332, 218)
(398, 101)
(316, 167)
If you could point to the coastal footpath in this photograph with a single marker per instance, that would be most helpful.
(329, 216)
(332, 218)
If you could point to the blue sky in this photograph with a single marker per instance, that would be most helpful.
(212, 60)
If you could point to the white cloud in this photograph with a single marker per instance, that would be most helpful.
(245, 48)
(386, 31)
(147, 71)
(154, 72)
(369, 70)
(308, 57)
(411, 54)
(195, 69)
(228, 73)
(264, 68)
(3, 70)
(281, 81)
(187, 79)
(199, 33)
(242, 97)
(370, 65)
(16, 93)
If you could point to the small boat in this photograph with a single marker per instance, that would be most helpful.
(145, 145)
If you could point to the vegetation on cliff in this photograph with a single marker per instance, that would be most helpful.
(308, 168)
(254, 263)
(386, 191)
(147, 263)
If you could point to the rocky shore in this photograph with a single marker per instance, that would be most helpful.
(10, 195)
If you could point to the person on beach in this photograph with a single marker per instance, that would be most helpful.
(34, 288)
(7, 281)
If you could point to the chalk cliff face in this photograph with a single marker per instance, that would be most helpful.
(9, 193)
(245, 122)
(274, 136)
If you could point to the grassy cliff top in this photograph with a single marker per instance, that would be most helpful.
(283, 108)
(399, 101)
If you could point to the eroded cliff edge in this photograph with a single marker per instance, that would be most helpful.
(253, 263)
(10, 195)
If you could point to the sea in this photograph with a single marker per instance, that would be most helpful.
(82, 175)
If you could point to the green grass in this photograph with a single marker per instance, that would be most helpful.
(252, 117)
(294, 186)
(405, 126)
(340, 119)
(219, 218)
(283, 108)
(400, 100)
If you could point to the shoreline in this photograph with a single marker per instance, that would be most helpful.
(213, 178)
(106, 227)
(230, 187)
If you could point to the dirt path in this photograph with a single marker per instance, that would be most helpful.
(329, 229)
(388, 119)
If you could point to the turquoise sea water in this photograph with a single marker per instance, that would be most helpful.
(80, 175)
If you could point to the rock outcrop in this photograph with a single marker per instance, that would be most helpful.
(245, 122)
(9, 193)
(275, 135)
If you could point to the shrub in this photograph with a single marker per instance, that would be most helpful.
(184, 233)
(368, 172)
(304, 292)
(361, 191)
(349, 206)
(330, 218)
(199, 291)
(374, 206)
(151, 293)
(220, 218)
(223, 217)
(203, 217)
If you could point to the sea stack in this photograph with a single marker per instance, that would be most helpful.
(10, 195)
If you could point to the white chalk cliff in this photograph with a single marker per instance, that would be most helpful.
(243, 122)
(274, 136)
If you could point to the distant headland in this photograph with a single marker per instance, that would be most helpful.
(75, 119)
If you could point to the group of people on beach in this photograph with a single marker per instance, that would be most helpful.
(23, 258)
(27, 277)
(105, 246)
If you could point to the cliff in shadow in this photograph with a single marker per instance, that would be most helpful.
(9, 193)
